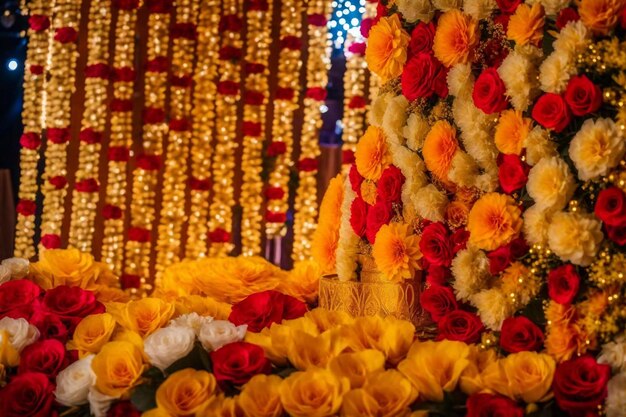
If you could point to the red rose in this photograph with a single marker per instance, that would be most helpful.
(159, 6)
(435, 245)
(26, 207)
(437, 275)
(88, 185)
(617, 234)
(184, 30)
(422, 38)
(254, 68)
(130, 281)
(138, 234)
(276, 148)
(563, 284)
(97, 71)
(235, 363)
(17, 298)
(508, 6)
(378, 215)
(36, 69)
(307, 165)
(275, 216)
(183, 81)
(285, 93)
(518, 247)
(252, 129)
(51, 241)
(423, 76)
(355, 179)
(158, 64)
(499, 259)
(358, 48)
(316, 93)
(58, 182)
(347, 157)
(229, 53)
(71, 304)
(488, 405)
(30, 140)
(520, 334)
(259, 5)
(317, 19)
(27, 395)
(551, 112)
(39, 22)
(124, 74)
(611, 207)
(358, 216)
(461, 326)
(389, 186)
(120, 105)
(357, 102)
(227, 88)
(253, 98)
(58, 135)
(111, 212)
(274, 193)
(118, 154)
(123, 409)
(46, 357)
(219, 235)
(489, 92)
(583, 96)
(50, 326)
(179, 125)
(566, 15)
(438, 300)
(125, 4)
(580, 385)
(262, 309)
(153, 115)
(622, 21)
(512, 173)
(90, 136)
(292, 43)
(199, 184)
(66, 35)
(148, 162)
(230, 23)
(366, 26)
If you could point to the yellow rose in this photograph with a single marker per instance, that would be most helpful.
(435, 367)
(92, 333)
(296, 393)
(221, 406)
(385, 394)
(67, 267)
(472, 377)
(306, 325)
(204, 306)
(125, 335)
(143, 316)
(389, 335)
(106, 294)
(118, 368)
(276, 353)
(357, 366)
(156, 412)
(328, 319)
(306, 351)
(186, 392)
(260, 396)
(302, 281)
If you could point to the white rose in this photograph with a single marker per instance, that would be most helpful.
(597, 147)
(575, 237)
(169, 344)
(18, 267)
(218, 333)
(616, 398)
(99, 403)
(21, 333)
(193, 321)
(414, 10)
(614, 354)
(5, 274)
(551, 184)
(73, 383)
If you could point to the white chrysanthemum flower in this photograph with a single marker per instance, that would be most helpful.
(18, 266)
(409, 189)
(461, 80)
(348, 243)
(479, 9)
(551, 7)
(394, 119)
(551, 184)
(538, 145)
(572, 39)
(414, 10)
(597, 147)
(519, 75)
(616, 398)
(488, 181)
(410, 163)
(415, 131)
(470, 269)
(445, 5)
(430, 203)
(614, 354)
(463, 170)
(555, 72)
(575, 237)
(493, 307)
(536, 224)
(73, 383)
(378, 108)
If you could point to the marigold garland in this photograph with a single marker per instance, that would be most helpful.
(63, 53)
(318, 65)
(34, 99)
(85, 195)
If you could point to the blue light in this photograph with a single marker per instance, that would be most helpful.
(12, 64)
(345, 19)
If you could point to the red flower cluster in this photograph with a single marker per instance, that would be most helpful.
(159, 6)
(284, 93)
(58, 182)
(111, 212)
(30, 140)
(276, 148)
(252, 129)
(138, 234)
(158, 64)
(66, 35)
(124, 74)
(153, 115)
(184, 31)
(438, 301)
(347, 156)
(36, 69)
(460, 325)
(125, 4)
(121, 105)
(230, 23)
(261, 310)
(179, 125)
(389, 186)
(317, 19)
(307, 164)
(28, 394)
(39, 22)
(357, 102)
(118, 154)
(88, 185)
(275, 216)
(230, 53)
(100, 70)
(357, 48)
(227, 88)
(90, 136)
(611, 209)
(488, 405)
(149, 162)
(59, 135)
(254, 68)
(501, 258)
(291, 42)
(26, 207)
(183, 81)
(358, 216)
(130, 281)
(199, 184)
(253, 98)
(218, 235)
(274, 193)
(316, 93)
(436, 245)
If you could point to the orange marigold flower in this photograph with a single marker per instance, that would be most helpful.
(369, 192)
(526, 25)
(439, 148)
(564, 340)
(456, 38)
(372, 155)
(511, 132)
(600, 16)
(397, 252)
(326, 236)
(495, 220)
(386, 50)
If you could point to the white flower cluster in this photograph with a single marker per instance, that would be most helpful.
(13, 268)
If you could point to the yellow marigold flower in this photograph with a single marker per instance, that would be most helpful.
(142, 316)
(93, 332)
(456, 38)
(439, 148)
(435, 367)
(204, 306)
(118, 368)
(307, 351)
(397, 252)
(68, 267)
(356, 366)
(326, 236)
(302, 281)
(526, 25)
(386, 50)
(495, 220)
(185, 392)
(296, 390)
(601, 16)
(260, 397)
(372, 154)
(511, 132)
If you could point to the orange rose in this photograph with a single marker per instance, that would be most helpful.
(601, 16)
(456, 37)
(439, 148)
(387, 48)
(495, 220)
(526, 25)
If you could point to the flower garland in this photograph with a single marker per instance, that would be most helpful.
(85, 194)
(63, 53)
(120, 141)
(259, 38)
(34, 99)
(173, 210)
(228, 94)
(318, 65)
(286, 100)
(146, 172)
(205, 90)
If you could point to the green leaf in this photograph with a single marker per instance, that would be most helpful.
(144, 396)
(197, 359)
(285, 372)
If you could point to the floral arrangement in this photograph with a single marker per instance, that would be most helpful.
(493, 166)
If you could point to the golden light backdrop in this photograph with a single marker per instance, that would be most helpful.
(149, 124)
